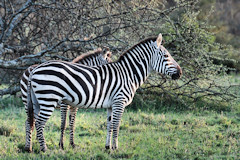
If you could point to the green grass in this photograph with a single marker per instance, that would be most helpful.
(149, 134)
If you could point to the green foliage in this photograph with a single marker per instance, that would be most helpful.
(224, 15)
(10, 101)
(202, 59)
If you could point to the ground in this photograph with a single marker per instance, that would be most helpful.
(148, 134)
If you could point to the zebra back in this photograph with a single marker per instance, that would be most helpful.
(95, 57)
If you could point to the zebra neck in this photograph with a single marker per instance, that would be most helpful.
(136, 65)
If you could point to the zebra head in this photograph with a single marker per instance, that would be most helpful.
(163, 62)
(103, 57)
(106, 54)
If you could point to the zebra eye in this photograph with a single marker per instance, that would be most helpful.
(165, 55)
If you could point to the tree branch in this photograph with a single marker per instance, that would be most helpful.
(15, 19)
(12, 90)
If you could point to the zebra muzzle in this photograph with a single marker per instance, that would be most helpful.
(178, 74)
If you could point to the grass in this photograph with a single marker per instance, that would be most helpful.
(144, 134)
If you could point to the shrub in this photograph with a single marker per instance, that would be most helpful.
(201, 58)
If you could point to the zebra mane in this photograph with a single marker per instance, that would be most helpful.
(141, 42)
(93, 53)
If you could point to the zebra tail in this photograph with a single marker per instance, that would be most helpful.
(30, 104)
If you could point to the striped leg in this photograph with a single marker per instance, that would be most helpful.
(41, 120)
(64, 108)
(116, 119)
(29, 130)
(109, 128)
(72, 116)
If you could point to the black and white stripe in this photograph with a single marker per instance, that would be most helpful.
(92, 58)
(110, 86)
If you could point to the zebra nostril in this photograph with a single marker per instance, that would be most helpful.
(178, 74)
(175, 76)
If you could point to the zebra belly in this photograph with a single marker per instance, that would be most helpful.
(105, 104)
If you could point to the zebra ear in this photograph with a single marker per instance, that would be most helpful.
(105, 49)
(99, 50)
(159, 40)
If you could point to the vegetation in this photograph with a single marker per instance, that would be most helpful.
(188, 34)
(196, 117)
(224, 15)
(166, 133)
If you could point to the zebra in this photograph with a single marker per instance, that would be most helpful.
(96, 57)
(110, 86)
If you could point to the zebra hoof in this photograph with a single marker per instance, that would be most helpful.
(44, 149)
(114, 148)
(27, 149)
(107, 147)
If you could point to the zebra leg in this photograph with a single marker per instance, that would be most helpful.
(40, 122)
(29, 130)
(64, 108)
(109, 128)
(72, 116)
(116, 119)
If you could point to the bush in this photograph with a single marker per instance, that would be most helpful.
(201, 58)
(119, 25)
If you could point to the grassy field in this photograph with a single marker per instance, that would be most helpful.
(147, 134)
